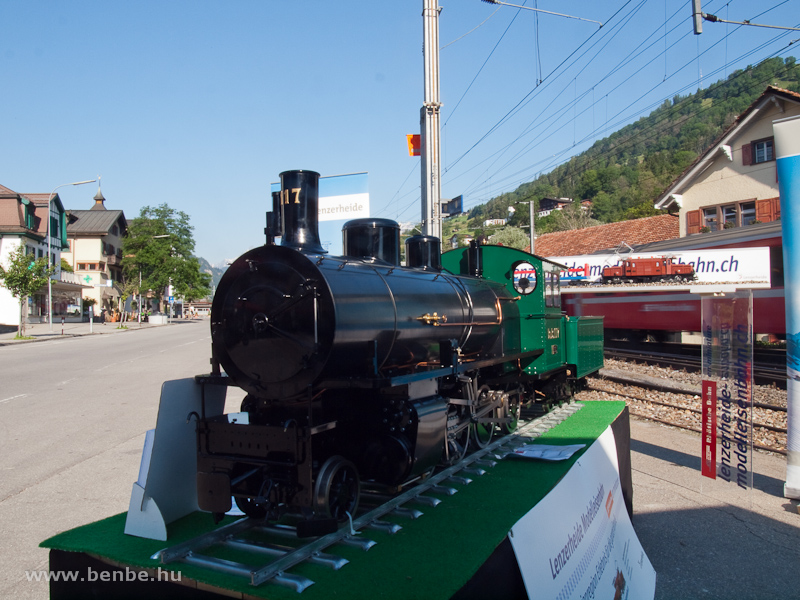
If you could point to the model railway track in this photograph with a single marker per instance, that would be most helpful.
(258, 538)
(769, 365)
(685, 411)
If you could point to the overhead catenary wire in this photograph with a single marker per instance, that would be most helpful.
(610, 125)
(546, 123)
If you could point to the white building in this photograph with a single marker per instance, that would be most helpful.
(23, 222)
(94, 251)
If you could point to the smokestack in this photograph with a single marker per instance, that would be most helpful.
(299, 210)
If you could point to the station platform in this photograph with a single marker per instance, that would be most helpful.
(458, 550)
(710, 539)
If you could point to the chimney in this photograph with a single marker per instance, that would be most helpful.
(299, 203)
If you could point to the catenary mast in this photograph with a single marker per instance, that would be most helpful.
(430, 170)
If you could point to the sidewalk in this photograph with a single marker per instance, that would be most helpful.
(710, 539)
(41, 331)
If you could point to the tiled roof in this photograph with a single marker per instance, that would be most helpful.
(11, 215)
(608, 237)
(93, 221)
(4, 191)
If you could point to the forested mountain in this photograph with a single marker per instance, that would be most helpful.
(623, 173)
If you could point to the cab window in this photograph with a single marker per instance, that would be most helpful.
(552, 293)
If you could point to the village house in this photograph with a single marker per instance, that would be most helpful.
(94, 251)
(735, 182)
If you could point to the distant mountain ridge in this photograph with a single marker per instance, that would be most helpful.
(215, 272)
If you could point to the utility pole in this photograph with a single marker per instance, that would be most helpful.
(430, 170)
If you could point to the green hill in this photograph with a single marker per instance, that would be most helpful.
(623, 173)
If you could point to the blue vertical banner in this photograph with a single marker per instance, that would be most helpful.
(787, 153)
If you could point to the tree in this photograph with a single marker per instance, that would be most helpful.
(513, 237)
(22, 277)
(573, 216)
(159, 247)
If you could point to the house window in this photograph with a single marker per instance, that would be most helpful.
(81, 266)
(729, 215)
(710, 218)
(92, 267)
(748, 212)
(763, 151)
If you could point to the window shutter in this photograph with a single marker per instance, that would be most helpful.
(776, 208)
(692, 222)
(747, 154)
(765, 210)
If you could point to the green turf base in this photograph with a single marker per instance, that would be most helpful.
(431, 557)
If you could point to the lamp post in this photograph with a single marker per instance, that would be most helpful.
(49, 250)
(532, 209)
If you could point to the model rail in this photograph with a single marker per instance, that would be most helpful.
(282, 558)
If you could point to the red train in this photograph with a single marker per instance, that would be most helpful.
(663, 315)
(636, 270)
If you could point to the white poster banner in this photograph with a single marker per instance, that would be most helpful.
(578, 542)
(731, 265)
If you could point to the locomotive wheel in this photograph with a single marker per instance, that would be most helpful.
(457, 447)
(457, 443)
(482, 433)
(512, 410)
(249, 507)
(337, 489)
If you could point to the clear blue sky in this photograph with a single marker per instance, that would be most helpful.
(202, 104)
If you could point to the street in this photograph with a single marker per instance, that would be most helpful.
(73, 413)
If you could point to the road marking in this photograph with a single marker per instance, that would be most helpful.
(13, 397)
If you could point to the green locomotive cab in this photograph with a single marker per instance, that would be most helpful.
(571, 347)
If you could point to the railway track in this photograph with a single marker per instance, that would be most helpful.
(769, 365)
(275, 549)
(681, 407)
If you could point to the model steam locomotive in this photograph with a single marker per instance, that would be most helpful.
(363, 372)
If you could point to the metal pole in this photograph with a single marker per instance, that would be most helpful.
(140, 297)
(531, 206)
(430, 170)
(49, 250)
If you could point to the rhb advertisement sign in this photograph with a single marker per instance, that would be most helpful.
(730, 265)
